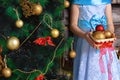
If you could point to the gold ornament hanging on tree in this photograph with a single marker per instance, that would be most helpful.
(13, 43)
(72, 54)
(6, 72)
(66, 3)
(30, 8)
(37, 9)
(48, 21)
(19, 23)
(55, 33)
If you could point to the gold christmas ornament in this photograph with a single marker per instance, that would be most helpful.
(30, 8)
(13, 43)
(66, 4)
(72, 54)
(55, 33)
(37, 9)
(98, 35)
(19, 23)
(6, 72)
(69, 75)
(108, 34)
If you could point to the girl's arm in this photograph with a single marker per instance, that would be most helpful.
(74, 15)
(108, 12)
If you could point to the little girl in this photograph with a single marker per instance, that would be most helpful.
(89, 64)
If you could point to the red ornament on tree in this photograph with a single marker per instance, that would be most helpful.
(40, 77)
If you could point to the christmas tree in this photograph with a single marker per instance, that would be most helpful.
(32, 39)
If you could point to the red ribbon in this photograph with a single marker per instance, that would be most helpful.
(44, 41)
(40, 77)
(106, 47)
(109, 64)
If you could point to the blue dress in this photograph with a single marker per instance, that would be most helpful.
(87, 65)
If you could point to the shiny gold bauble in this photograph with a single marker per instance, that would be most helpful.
(19, 23)
(37, 9)
(55, 33)
(108, 34)
(98, 35)
(72, 54)
(69, 74)
(6, 72)
(13, 43)
(66, 4)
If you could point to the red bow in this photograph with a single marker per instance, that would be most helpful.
(43, 41)
(103, 50)
(106, 45)
(40, 77)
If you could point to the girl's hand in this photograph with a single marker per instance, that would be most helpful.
(91, 41)
(115, 38)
